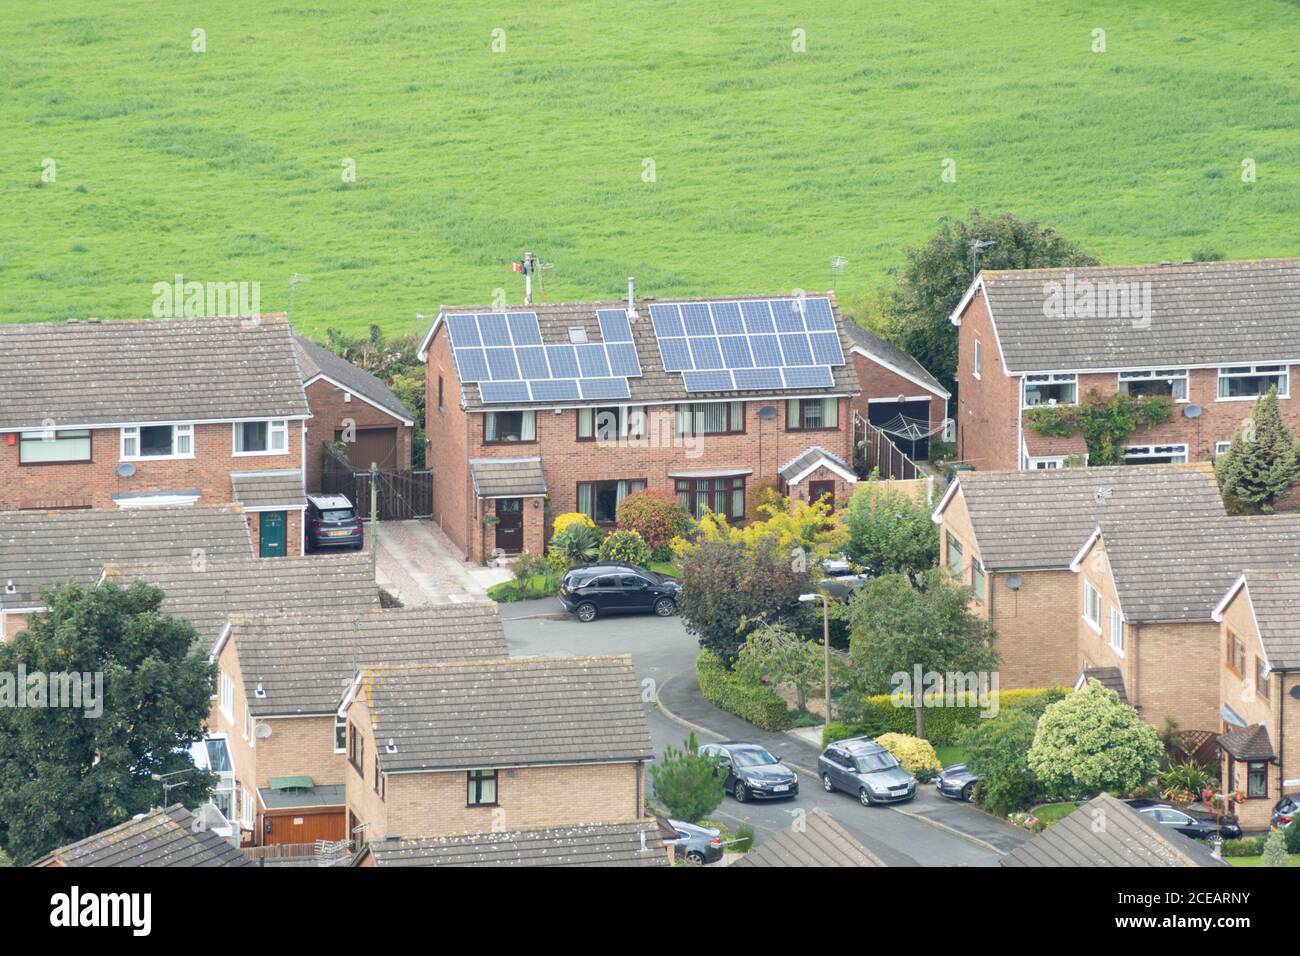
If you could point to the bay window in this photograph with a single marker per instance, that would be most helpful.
(262, 438)
(724, 496)
(1252, 381)
(812, 414)
(51, 446)
(611, 424)
(711, 418)
(157, 441)
(501, 427)
(599, 500)
(1055, 389)
(1146, 383)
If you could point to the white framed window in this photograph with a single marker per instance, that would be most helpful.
(247, 732)
(1092, 606)
(1221, 448)
(954, 556)
(140, 442)
(1155, 455)
(1060, 388)
(246, 817)
(1116, 630)
(509, 426)
(269, 437)
(50, 446)
(977, 366)
(1239, 383)
(340, 734)
(227, 697)
(978, 580)
(1149, 382)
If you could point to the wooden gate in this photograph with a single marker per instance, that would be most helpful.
(876, 451)
(399, 494)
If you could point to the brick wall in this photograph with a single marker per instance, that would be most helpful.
(446, 435)
(92, 484)
(879, 382)
(988, 407)
(331, 410)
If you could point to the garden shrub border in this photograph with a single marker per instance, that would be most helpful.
(761, 706)
(880, 716)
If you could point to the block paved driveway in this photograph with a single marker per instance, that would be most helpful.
(929, 831)
(419, 564)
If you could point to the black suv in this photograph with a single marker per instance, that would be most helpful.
(332, 523)
(596, 589)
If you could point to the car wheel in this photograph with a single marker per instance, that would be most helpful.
(586, 612)
(967, 791)
(826, 783)
(864, 798)
(741, 792)
(665, 607)
(695, 858)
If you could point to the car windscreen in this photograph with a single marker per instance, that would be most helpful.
(336, 514)
(752, 757)
(870, 763)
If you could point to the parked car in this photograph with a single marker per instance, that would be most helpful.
(750, 772)
(695, 844)
(1193, 823)
(332, 522)
(841, 577)
(867, 770)
(957, 781)
(1284, 812)
(596, 589)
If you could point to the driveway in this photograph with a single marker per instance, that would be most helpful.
(930, 831)
(419, 564)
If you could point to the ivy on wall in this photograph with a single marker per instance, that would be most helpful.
(1106, 423)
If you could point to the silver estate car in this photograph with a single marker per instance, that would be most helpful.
(862, 767)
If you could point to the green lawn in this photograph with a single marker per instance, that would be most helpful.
(950, 755)
(1050, 813)
(1294, 860)
(226, 165)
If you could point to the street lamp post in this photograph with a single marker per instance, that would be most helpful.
(826, 646)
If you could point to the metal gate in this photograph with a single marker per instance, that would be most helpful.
(399, 495)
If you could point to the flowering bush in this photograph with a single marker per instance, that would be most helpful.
(625, 547)
(569, 518)
(916, 755)
(657, 516)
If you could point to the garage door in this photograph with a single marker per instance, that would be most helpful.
(372, 444)
(895, 416)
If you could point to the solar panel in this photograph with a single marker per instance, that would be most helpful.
(592, 361)
(604, 388)
(695, 316)
(706, 353)
(614, 326)
(766, 349)
(471, 365)
(515, 391)
(726, 318)
(532, 362)
(826, 348)
(817, 315)
(502, 364)
(555, 390)
(748, 378)
(758, 317)
(667, 321)
(524, 329)
(735, 351)
(494, 329)
(463, 330)
(811, 376)
(787, 315)
(623, 359)
(795, 349)
(676, 355)
(564, 361)
(718, 380)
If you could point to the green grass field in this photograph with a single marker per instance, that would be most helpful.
(226, 165)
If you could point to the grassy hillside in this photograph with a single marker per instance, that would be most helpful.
(226, 165)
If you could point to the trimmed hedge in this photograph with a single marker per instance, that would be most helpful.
(942, 724)
(761, 706)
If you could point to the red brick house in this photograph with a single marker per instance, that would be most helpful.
(136, 414)
(898, 395)
(537, 410)
(1212, 336)
(350, 405)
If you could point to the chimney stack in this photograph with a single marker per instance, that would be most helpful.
(631, 297)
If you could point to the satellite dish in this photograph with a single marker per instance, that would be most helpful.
(767, 412)
(125, 470)
(1015, 582)
(262, 731)
(1295, 692)
(1192, 411)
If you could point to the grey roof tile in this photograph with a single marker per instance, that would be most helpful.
(39, 549)
(519, 712)
(1111, 678)
(154, 370)
(269, 489)
(315, 359)
(806, 459)
(1040, 519)
(1222, 312)
(608, 844)
(1275, 597)
(507, 477)
(1248, 743)
(821, 842)
(158, 838)
(304, 662)
(890, 354)
(1125, 838)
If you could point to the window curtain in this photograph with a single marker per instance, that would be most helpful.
(684, 426)
(710, 418)
(830, 412)
(585, 429)
(586, 499)
(528, 426)
(490, 427)
(792, 417)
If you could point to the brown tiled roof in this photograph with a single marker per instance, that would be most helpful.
(1040, 519)
(819, 842)
(654, 385)
(39, 549)
(269, 489)
(1108, 832)
(1227, 313)
(1275, 597)
(158, 838)
(1248, 743)
(154, 370)
(314, 359)
(507, 477)
(303, 662)
(207, 593)
(608, 844)
(507, 713)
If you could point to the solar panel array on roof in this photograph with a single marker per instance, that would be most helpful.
(504, 354)
(750, 344)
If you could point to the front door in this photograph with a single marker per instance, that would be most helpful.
(510, 525)
(817, 490)
(271, 534)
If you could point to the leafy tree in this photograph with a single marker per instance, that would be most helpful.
(795, 530)
(938, 274)
(777, 654)
(625, 547)
(658, 516)
(998, 750)
(1090, 741)
(687, 784)
(896, 626)
(890, 532)
(65, 774)
(1262, 464)
(1275, 850)
(730, 588)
